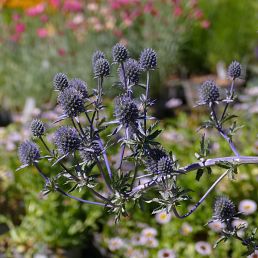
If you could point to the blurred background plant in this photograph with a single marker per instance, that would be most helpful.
(40, 38)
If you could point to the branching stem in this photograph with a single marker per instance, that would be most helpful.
(195, 166)
(221, 131)
(201, 200)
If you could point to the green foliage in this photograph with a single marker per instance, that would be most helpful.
(232, 35)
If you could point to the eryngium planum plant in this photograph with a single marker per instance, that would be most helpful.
(80, 155)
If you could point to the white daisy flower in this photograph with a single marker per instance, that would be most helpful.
(203, 248)
(149, 232)
(253, 255)
(133, 253)
(247, 207)
(115, 243)
(151, 242)
(163, 217)
(186, 229)
(136, 240)
(216, 226)
(166, 253)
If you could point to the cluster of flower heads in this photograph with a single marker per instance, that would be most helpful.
(209, 91)
(29, 151)
(72, 94)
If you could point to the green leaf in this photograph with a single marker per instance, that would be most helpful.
(227, 118)
(154, 135)
(199, 174)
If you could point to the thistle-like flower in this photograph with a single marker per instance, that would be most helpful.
(28, 152)
(126, 110)
(88, 154)
(148, 59)
(101, 68)
(209, 92)
(37, 128)
(120, 53)
(67, 140)
(71, 101)
(96, 56)
(224, 209)
(60, 81)
(165, 165)
(234, 70)
(132, 72)
(153, 155)
(80, 86)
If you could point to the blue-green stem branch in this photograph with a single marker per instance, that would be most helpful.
(240, 160)
(201, 200)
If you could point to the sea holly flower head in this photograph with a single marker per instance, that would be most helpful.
(28, 152)
(37, 128)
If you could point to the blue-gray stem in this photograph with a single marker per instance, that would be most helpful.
(90, 188)
(58, 189)
(193, 167)
(231, 97)
(82, 200)
(59, 162)
(221, 131)
(125, 79)
(41, 173)
(128, 93)
(146, 101)
(201, 200)
(123, 148)
(101, 146)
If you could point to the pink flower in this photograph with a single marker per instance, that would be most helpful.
(54, 3)
(205, 24)
(178, 11)
(36, 10)
(198, 13)
(44, 18)
(42, 32)
(20, 28)
(61, 52)
(73, 6)
(117, 4)
(16, 17)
